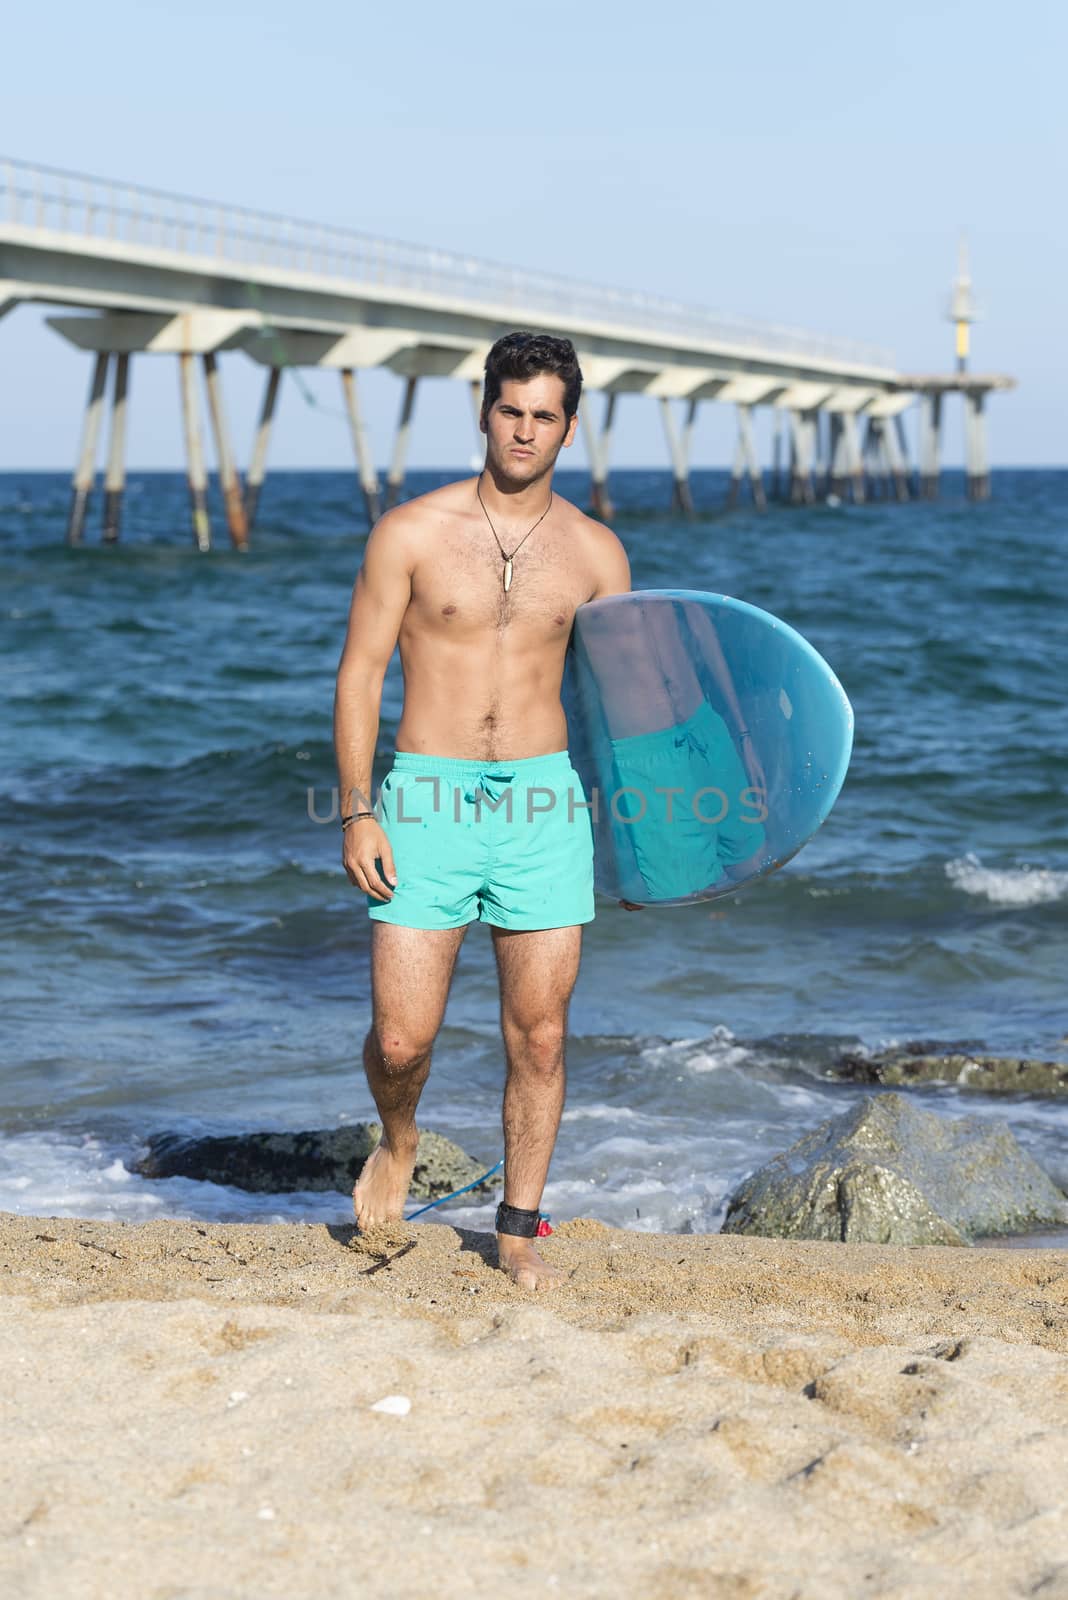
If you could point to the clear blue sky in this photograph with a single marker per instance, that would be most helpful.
(809, 164)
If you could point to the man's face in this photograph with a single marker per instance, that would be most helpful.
(526, 427)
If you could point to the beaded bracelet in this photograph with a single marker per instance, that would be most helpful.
(354, 816)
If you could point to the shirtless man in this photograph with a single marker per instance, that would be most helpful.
(482, 815)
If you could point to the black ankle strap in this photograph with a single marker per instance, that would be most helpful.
(514, 1220)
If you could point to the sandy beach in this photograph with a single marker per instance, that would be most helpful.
(189, 1415)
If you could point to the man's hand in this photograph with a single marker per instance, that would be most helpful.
(754, 769)
(364, 844)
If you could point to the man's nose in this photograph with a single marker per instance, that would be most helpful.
(524, 429)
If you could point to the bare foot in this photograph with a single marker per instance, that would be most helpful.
(382, 1187)
(523, 1264)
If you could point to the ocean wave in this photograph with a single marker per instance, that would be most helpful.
(719, 1050)
(1007, 886)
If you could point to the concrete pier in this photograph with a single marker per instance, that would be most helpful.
(155, 273)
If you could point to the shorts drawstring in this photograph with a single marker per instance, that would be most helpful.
(483, 787)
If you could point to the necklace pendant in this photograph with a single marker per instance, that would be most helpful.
(507, 574)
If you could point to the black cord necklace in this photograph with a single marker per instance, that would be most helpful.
(507, 575)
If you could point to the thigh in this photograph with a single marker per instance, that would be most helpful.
(411, 970)
(537, 971)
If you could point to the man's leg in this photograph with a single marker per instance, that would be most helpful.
(537, 973)
(411, 970)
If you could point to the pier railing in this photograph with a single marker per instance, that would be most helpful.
(79, 206)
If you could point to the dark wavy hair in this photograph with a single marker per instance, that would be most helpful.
(526, 355)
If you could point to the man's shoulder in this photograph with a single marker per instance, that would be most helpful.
(428, 510)
(594, 534)
(602, 552)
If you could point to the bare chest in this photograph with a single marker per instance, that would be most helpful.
(459, 588)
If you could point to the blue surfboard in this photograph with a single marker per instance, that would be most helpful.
(711, 738)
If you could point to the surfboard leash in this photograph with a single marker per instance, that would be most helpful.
(543, 1226)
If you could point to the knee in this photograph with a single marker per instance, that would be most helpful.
(538, 1047)
(396, 1051)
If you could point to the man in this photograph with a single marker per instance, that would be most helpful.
(482, 814)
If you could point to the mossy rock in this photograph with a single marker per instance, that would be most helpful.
(888, 1172)
(320, 1160)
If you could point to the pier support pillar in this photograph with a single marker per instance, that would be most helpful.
(85, 470)
(801, 443)
(871, 455)
(912, 477)
(895, 460)
(777, 458)
(368, 474)
(846, 465)
(836, 456)
(395, 478)
(976, 464)
(115, 478)
(474, 389)
(598, 448)
(746, 460)
(233, 499)
(688, 430)
(194, 452)
(681, 495)
(821, 455)
(258, 465)
(851, 457)
(930, 445)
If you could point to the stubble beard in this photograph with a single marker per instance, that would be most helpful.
(541, 470)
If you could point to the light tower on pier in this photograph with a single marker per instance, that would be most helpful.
(962, 311)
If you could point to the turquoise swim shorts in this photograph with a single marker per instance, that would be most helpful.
(506, 842)
(688, 840)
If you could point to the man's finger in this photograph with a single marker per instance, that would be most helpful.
(359, 876)
(375, 885)
(388, 868)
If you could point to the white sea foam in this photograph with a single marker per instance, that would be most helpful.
(50, 1174)
(1007, 886)
(603, 1113)
(718, 1050)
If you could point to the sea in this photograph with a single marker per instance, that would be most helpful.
(183, 952)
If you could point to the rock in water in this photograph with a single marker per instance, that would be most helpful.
(916, 1064)
(326, 1159)
(886, 1172)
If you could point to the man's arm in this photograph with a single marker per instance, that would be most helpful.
(380, 597)
(612, 576)
(611, 567)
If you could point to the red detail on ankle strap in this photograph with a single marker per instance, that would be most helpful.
(543, 1229)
